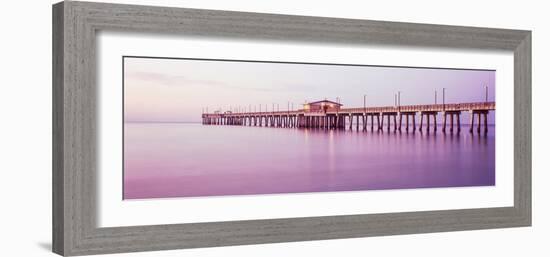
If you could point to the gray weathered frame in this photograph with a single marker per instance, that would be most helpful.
(74, 126)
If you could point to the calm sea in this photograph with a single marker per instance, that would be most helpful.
(182, 160)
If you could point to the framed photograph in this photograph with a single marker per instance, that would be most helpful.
(183, 128)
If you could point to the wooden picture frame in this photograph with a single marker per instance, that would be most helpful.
(75, 25)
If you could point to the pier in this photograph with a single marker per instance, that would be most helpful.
(330, 115)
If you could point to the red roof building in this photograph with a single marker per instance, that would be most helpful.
(322, 106)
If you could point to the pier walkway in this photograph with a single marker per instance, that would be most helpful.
(368, 118)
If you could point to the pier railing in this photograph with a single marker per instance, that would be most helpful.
(482, 106)
(339, 118)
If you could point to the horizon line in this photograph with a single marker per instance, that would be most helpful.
(199, 122)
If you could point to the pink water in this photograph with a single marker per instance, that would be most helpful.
(182, 160)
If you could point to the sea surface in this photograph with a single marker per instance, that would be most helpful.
(188, 160)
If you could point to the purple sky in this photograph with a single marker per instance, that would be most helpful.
(177, 90)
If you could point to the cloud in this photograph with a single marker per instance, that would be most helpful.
(179, 80)
(169, 80)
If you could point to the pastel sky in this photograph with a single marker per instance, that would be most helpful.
(177, 90)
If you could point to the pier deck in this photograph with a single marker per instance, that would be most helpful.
(360, 117)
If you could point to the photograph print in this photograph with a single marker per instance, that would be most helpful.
(209, 127)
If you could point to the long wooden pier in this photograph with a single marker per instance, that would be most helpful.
(397, 118)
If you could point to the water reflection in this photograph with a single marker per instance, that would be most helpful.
(177, 160)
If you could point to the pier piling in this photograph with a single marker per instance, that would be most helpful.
(344, 118)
